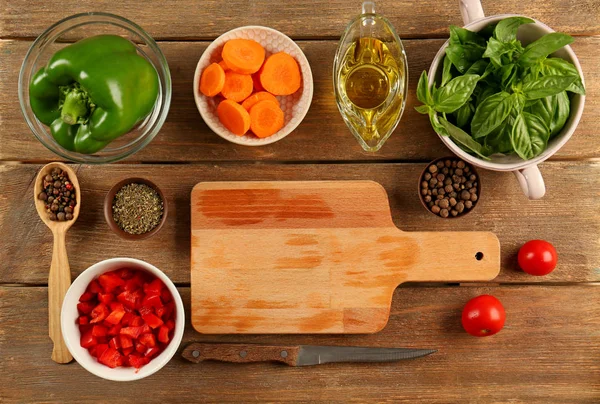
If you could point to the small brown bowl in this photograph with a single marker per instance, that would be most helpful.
(108, 214)
(472, 170)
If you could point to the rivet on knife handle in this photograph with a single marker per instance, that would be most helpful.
(240, 353)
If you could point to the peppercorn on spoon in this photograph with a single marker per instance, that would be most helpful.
(59, 277)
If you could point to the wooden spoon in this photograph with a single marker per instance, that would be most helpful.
(59, 278)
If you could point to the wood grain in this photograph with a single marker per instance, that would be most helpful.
(567, 216)
(301, 257)
(322, 136)
(548, 352)
(298, 19)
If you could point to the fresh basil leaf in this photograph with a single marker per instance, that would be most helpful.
(447, 71)
(462, 138)
(546, 86)
(506, 30)
(487, 31)
(463, 56)
(422, 109)
(454, 94)
(557, 67)
(464, 114)
(495, 49)
(509, 74)
(553, 110)
(529, 136)
(485, 93)
(499, 139)
(478, 67)
(543, 47)
(423, 93)
(491, 113)
(463, 36)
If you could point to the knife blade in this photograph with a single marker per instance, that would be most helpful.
(296, 355)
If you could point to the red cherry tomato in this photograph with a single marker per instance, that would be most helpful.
(483, 315)
(537, 257)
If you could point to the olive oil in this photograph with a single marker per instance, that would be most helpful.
(370, 76)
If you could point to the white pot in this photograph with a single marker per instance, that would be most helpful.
(527, 172)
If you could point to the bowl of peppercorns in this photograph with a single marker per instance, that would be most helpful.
(449, 187)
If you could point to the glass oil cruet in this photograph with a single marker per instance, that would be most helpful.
(370, 77)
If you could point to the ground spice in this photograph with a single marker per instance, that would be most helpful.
(137, 208)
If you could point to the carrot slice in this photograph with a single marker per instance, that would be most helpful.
(237, 86)
(243, 55)
(234, 117)
(256, 81)
(280, 74)
(256, 97)
(266, 118)
(212, 80)
(224, 65)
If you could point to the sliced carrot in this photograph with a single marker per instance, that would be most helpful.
(256, 97)
(237, 86)
(223, 65)
(234, 117)
(243, 55)
(212, 80)
(266, 118)
(256, 81)
(280, 74)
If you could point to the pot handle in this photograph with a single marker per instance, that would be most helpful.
(470, 10)
(531, 181)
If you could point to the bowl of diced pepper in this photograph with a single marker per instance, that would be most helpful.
(122, 319)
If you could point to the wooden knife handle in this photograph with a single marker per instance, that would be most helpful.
(241, 353)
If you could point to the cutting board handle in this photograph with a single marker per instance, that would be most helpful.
(455, 257)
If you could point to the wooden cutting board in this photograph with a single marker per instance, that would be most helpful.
(314, 257)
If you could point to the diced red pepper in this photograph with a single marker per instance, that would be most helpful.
(152, 320)
(105, 298)
(152, 301)
(111, 358)
(85, 307)
(110, 281)
(163, 334)
(138, 361)
(136, 321)
(87, 296)
(100, 348)
(133, 332)
(115, 342)
(169, 309)
(152, 351)
(99, 313)
(154, 287)
(126, 273)
(126, 341)
(145, 310)
(170, 324)
(94, 287)
(115, 330)
(87, 340)
(102, 340)
(127, 318)
(83, 328)
(126, 352)
(83, 320)
(148, 340)
(166, 295)
(140, 348)
(99, 331)
(116, 315)
(128, 299)
(146, 328)
(135, 283)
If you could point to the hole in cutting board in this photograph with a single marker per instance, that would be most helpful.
(479, 256)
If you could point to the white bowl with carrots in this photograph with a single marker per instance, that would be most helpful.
(253, 86)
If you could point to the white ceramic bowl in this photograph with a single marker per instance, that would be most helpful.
(70, 329)
(527, 172)
(294, 106)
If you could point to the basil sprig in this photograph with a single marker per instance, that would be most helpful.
(497, 96)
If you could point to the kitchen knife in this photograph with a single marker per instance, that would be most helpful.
(296, 355)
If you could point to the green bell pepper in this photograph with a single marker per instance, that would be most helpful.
(93, 91)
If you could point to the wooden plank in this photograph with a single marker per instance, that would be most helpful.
(567, 216)
(300, 19)
(322, 136)
(547, 353)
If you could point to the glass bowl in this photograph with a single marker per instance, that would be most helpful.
(72, 29)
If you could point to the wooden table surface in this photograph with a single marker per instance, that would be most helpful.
(549, 350)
